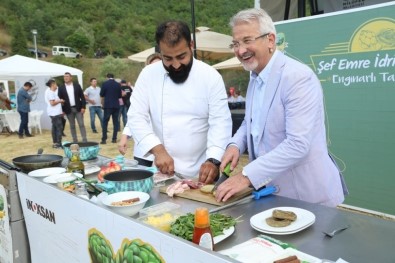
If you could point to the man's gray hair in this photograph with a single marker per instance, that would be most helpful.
(266, 24)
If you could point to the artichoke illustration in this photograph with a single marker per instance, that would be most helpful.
(131, 251)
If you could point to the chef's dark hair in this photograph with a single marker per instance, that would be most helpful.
(49, 82)
(172, 32)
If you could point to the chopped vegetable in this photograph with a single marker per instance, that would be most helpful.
(183, 226)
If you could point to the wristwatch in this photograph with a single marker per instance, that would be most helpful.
(214, 161)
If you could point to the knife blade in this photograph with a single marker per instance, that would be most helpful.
(225, 175)
(179, 176)
(256, 195)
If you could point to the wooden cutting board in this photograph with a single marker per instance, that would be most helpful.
(197, 195)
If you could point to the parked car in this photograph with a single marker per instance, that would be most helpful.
(3, 53)
(40, 53)
(68, 52)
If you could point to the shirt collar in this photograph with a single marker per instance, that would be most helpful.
(263, 76)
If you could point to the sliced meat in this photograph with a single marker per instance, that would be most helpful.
(176, 188)
(192, 184)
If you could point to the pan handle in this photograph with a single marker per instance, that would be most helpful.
(9, 166)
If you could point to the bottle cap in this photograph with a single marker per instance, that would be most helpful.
(74, 147)
(202, 217)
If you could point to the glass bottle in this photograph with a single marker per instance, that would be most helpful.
(202, 232)
(75, 164)
(80, 190)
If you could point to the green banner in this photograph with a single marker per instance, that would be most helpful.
(353, 54)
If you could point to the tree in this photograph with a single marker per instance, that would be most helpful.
(18, 41)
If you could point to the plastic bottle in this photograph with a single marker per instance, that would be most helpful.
(80, 189)
(75, 164)
(202, 232)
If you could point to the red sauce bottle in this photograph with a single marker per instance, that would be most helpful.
(202, 232)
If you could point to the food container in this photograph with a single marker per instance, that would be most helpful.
(66, 181)
(128, 180)
(160, 216)
(128, 210)
(88, 150)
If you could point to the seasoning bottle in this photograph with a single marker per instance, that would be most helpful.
(80, 189)
(202, 232)
(75, 164)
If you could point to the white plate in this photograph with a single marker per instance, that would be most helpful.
(304, 219)
(227, 232)
(44, 172)
(92, 169)
(53, 179)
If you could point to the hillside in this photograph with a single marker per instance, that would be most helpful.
(117, 27)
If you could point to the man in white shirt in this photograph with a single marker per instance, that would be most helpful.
(54, 111)
(185, 101)
(92, 96)
(74, 105)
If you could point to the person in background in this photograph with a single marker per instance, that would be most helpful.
(92, 96)
(64, 125)
(284, 126)
(154, 57)
(5, 103)
(23, 106)
(54, 111)
(231, 94)
(110, 94)
(236, 97)
(74, 105)
(179, 110)
(148, 159)
(124, 107)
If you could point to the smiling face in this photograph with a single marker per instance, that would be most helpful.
(253, 50)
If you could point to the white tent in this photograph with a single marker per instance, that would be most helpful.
(209, 45)
(230, 63)
(19, 66)
(21, 69)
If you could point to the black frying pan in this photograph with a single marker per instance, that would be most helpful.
(37, 161)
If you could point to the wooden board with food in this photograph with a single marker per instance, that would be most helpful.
(194, 191)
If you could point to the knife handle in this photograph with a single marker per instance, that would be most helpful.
(263, 192)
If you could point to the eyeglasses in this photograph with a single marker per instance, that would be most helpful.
(245, 42)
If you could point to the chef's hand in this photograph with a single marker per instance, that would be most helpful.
(231, 156)
(123, 144)
(231, 186)
(163, 161)
(208, 172)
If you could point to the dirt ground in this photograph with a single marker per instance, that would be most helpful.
(11, 146)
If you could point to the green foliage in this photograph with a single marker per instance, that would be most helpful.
(78, 41)
(112, 65)
(71, 62)
(118, 27)
(18, 42)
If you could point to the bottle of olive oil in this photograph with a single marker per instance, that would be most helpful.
(75, 164)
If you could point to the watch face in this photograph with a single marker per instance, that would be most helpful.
(214, 161)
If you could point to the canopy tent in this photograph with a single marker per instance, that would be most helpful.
(230, 63)
(20, 66)
(21, 69)
(209, 45)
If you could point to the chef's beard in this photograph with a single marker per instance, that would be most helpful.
(179, 75)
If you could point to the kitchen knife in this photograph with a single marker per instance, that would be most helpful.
(225, 175)
(256, 195)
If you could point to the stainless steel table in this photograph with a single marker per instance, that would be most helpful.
(369, 239)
